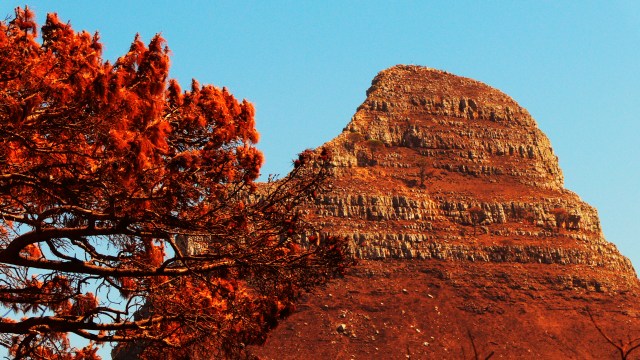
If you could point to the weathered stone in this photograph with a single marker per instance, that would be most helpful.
(464, 206)
(453, 144)
(341, 328)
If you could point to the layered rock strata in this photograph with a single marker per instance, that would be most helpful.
(434, 165)
(454, 199)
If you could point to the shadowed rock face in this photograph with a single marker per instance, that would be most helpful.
(439, 174)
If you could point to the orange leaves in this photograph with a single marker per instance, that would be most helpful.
(143, 150)
(158, 133)
(148, 66)
(101, 83)
(56, 35)
(248, 131)
(14, 152)
(211, 106)
(174, 94)
(105, 164)
(155, 65)
(83, 304)
(25, 20)
(202, 295)
(120, 139)
(187, 160)
(89, 352)
(133, 58)
(154, 253)
(250, 159)
(7, 320)
(128, 285)
(32, 251)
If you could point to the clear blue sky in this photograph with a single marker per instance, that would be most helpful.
(306, 65)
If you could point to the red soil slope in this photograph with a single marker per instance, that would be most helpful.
(454, 199)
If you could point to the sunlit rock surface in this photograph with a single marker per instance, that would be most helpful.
(454, 199)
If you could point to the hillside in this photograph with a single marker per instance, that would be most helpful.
(454, 200)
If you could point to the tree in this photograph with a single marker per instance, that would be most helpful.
(526, 216)
(477, 215)
(102, 168)
(561, 216)
(624, 348)
(425, 171)
(374, 146)
(353, 138)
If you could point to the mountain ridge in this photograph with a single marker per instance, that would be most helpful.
(447, 180)
(489, 155)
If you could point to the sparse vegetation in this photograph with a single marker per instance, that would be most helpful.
(425, 171)
(477, 215)
(564, 219)
(561, 216)
(374, 147)
(353, 138)
(624, 348)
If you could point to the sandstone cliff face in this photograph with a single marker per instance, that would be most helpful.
(454, 200)
(424, 149)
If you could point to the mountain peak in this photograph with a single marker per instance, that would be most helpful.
(454, 123)
(454, 199)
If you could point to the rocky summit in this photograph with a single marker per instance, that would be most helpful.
(470, 245)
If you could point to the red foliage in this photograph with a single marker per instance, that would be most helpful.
(104, 168)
